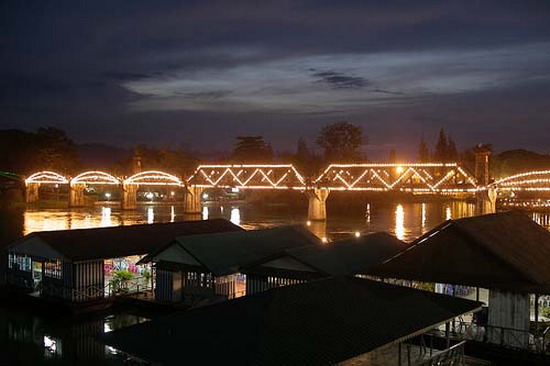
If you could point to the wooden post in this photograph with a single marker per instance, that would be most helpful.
(536, 316)
(399, 355)
(448, 333)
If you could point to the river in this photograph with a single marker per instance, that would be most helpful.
(31, 339)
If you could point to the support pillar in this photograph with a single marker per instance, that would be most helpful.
(129, 196)
(317, 210)
(31, 192)
(192, 199)
(486, 201)
(318, 228)
(76, 194)
(486, 198)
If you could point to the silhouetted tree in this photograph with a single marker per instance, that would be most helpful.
(252, 149)
(423, 152)
(56, 151)
(392, 158)
(441, 147)
(452, 152)
(341, 142)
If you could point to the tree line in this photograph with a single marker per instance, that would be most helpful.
(342, 142)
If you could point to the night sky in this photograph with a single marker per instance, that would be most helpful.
(199, 73)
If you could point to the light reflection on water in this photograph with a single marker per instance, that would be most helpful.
(406, 221)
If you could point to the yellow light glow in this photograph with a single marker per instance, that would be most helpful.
(357, 234)
(399, 169)
(400, 222)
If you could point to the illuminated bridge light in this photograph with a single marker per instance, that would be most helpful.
(154, 177)
(96, 177)
(47, 177)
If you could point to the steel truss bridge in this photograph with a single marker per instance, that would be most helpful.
(428, 178)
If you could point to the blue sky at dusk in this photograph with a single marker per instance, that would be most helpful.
(199, 73)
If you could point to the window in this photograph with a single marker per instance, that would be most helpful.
(53, 268)
(20, 262)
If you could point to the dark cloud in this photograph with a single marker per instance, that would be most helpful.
(339, 80)
(79, 65)
(214, 94)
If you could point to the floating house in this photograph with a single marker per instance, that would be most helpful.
(346, 257)
(77, 265)
(504, 253)
(343, 321)
(209, 266)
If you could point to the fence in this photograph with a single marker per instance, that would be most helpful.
(453, 356)
(504, 337)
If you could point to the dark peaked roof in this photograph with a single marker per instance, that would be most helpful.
(349, 257)
(505, 250)
(120, 241)
(316, 323)
(226, 253)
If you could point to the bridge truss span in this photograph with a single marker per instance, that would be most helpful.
(427, 178)
(248, 176)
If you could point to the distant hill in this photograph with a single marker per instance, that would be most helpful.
(100, 156)
(517, 161)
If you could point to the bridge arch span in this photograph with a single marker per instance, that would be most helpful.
(47, 177)
(96, 177)
(153, 177)
(528, 181)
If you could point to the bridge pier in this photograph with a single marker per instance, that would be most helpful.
(192, 199)
(317, 209)
(129, 196)
(76, 194)
(486, 201)
(31, 192)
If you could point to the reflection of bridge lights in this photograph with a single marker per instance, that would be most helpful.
(357, 234)
(423, 216)
(106, 216)
(172, 214)
(150, 215)
(400, 222)
(448, 213)
(235, 216)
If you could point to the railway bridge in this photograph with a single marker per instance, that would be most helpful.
(448, 179)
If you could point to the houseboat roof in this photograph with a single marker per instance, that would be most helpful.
(506, 251)
(228, 252)
(315, 323)
(113, 242)
(349, 257)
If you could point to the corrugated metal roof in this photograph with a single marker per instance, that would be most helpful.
(316, 323)
(227, 253)
(349, 257)
(506, 250)
(120, 241)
